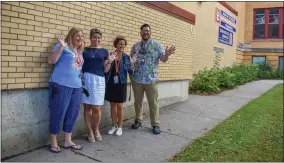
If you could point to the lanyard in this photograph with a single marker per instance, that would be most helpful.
(117, 62)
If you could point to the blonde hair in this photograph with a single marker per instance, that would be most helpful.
(70, 35)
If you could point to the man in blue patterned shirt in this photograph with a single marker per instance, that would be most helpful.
(144, 79)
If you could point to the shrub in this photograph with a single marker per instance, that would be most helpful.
(244, 73)
(265, 67)
(206, 81)
(266, 72)
(214, 80)
(226, 79)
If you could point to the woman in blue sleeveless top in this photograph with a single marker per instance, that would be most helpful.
(65, 87)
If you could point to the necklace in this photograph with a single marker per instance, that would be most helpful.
(78, 59)
(93, 54)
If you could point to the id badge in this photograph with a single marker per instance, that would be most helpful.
(115, 79)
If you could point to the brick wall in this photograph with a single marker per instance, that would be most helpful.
(241, 8)
(272, 58)
(29, 30)
(239, 57)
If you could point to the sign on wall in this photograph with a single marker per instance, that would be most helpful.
(225, 36)
(225, 20)
(227, 25)
(217, 50)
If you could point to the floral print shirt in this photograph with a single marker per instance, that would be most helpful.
(147, 63)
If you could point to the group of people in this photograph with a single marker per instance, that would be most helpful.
(91, 75)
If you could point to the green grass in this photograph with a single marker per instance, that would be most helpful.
(252, 134)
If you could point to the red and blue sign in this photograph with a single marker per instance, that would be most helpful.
(226, 20)
(228, 17)
(227, 27)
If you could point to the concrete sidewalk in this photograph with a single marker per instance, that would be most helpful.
(181, 123)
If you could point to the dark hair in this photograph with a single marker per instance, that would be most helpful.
(95, 31)
(145, 25)
(117, 39)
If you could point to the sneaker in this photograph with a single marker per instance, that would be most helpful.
(156, 130)
(136, 125)
(112, 130)
(118, 132)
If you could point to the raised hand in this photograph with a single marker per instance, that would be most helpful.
(170, 51)
(133, 59)
(62, 42)
(112, 57)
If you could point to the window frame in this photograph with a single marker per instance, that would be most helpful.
(258, 56)
(266, 26)
(279, 63)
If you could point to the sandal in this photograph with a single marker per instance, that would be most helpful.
(74, 147)
(91, 140)
(98, 138)
(53, 151)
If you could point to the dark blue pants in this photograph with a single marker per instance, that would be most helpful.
(64, 104)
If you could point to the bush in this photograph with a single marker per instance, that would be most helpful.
(265, 67)
(244, 73)
(266, 72)
(206, 81)
(280, 74)
(226, 79)
(214, 80)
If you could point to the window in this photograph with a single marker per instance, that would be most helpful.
(259, 27)
(281, 63)
(268, 23)
(258, 59)
(273, 23)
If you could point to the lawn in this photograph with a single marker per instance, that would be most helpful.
(252, 134)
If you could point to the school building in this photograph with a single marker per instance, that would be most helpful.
(240, 32)
(261, 33)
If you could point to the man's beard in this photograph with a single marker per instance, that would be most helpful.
(145, 39)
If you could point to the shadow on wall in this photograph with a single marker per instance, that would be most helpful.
(25, 116)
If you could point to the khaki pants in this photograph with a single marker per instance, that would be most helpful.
(152, 98)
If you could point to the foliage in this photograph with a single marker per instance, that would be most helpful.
(216, 79)
(266, 72)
